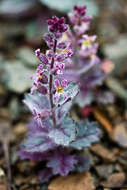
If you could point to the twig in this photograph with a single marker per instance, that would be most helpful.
(6, 153)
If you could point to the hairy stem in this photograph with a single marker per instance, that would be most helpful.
(51, 85)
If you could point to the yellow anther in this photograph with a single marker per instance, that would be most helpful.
(65, 50)
(40, 76)
(86, 43)
(59, 89)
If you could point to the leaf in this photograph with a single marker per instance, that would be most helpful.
(94, 77)
(16, 76)
(69, 92)
(103, 120)
(38, 143)
(83, 100)
(15, 6)
(116, 86)
(37, 140)
(62, 111)
(61, 163)
(27, 56)
(83, 163)
(104, 97)
(72, 90)
(35, 127)
(37, 102)
(35, 156)
(45, 175)
(64, 134)
(87, 133)
(34, 31)
(67, 5)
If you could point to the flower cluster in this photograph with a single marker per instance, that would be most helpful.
(52, 134)
(87, 69)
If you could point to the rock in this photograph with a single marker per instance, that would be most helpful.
(80, 181)
(104, 170)
(120, 134)
(104, 153)
(115, 180)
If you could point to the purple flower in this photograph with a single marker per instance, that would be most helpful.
(61, 45)
(57, 26)
(49, 40)
(88, 47)
(64, 53)
(79, 20)
(37, 52)
(80, 11)
(39, 80)
(59, 86)
(87, 41)
(59, 68)
(107, 66)
(43, 59)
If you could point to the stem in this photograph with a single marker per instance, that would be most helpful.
(51, 85)
(6, 153)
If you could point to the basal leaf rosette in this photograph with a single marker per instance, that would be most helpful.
(64, 134)
(87, 133)
(75, 135)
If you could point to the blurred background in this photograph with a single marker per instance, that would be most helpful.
(22, 25)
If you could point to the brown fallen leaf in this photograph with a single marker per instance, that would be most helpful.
(103, 120)
(3, 187)
(119, 134)
(115, 180)
(80, 181)
(104, 152)
(19, 131)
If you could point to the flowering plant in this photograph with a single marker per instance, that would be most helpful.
(53, 136)
(87, 68)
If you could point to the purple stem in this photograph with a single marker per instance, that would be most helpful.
(51, 85)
